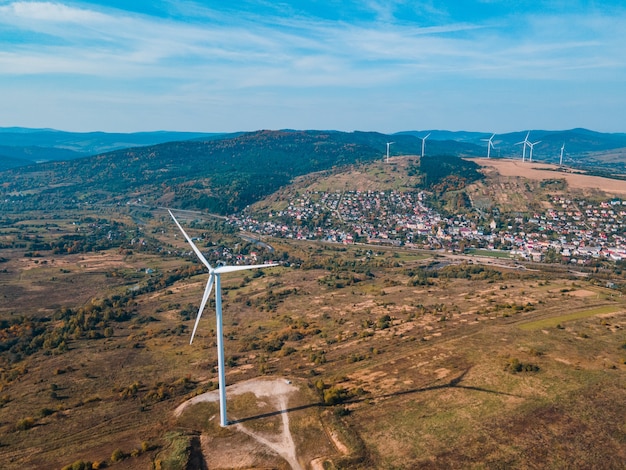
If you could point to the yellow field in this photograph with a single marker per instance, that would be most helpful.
(544, 171)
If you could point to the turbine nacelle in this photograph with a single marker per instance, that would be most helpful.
(220, 268)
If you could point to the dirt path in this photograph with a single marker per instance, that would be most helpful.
(283, 445)
(278, 391)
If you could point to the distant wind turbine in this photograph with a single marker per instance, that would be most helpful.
(424, 142)
(214, 278)
(525, 143)
(388, 144)
(489, 145)
(532, 147)
(562, 150)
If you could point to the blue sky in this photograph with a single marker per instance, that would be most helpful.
(383, 65)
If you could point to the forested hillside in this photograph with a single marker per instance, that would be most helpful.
(219, 176)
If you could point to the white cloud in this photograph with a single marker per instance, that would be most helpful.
(215, 57)
(140, 46)
(49, 12)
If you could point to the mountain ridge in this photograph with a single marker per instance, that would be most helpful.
(225, 174)
(221, 175)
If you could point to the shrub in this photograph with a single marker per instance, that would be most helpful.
(335, 395)
(117, 455)
(79, 465)
(45, 412)
(24, 424)
(514, 366)
(384, 322)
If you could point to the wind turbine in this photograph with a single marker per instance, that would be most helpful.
(424, 142)
(388, 144)
(532, 146)
(214, 278)
(525, 142)
(489, 145)
(562, 150)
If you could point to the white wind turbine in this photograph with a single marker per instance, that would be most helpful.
(562, 151)
(532, 147)
(388, 144)
(489, 145)
(214, 278)
(424, 142)
(525, 142)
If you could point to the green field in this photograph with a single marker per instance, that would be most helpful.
(489, 253)
(557, 320)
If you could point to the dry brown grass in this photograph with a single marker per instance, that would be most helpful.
(545, 171)
(430, 390)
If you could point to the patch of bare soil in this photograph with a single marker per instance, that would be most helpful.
(276, 391)
(582, 293)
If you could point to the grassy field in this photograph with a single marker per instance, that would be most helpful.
(459, 371)
(554, 322)
(490, 253)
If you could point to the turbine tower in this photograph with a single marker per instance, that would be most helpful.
(489, 145)
(214, 278)
(388, 144)
(424, 142)
(532, 146)
(525, 142)
(562, 150)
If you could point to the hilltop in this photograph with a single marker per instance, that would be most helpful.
(41, 145)
(224, 174)
(583, 148)
(221, 176)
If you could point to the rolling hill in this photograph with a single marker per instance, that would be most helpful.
(36, 145)
(224, 174)
(217, 175)
(584, 148)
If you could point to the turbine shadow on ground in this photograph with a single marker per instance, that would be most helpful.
(454, 383)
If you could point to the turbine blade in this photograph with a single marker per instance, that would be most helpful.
(195, 248)
(230, 269)
(205, 298)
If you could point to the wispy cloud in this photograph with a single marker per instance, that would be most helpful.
(48, 12)
(109, 42)
(194, 52)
